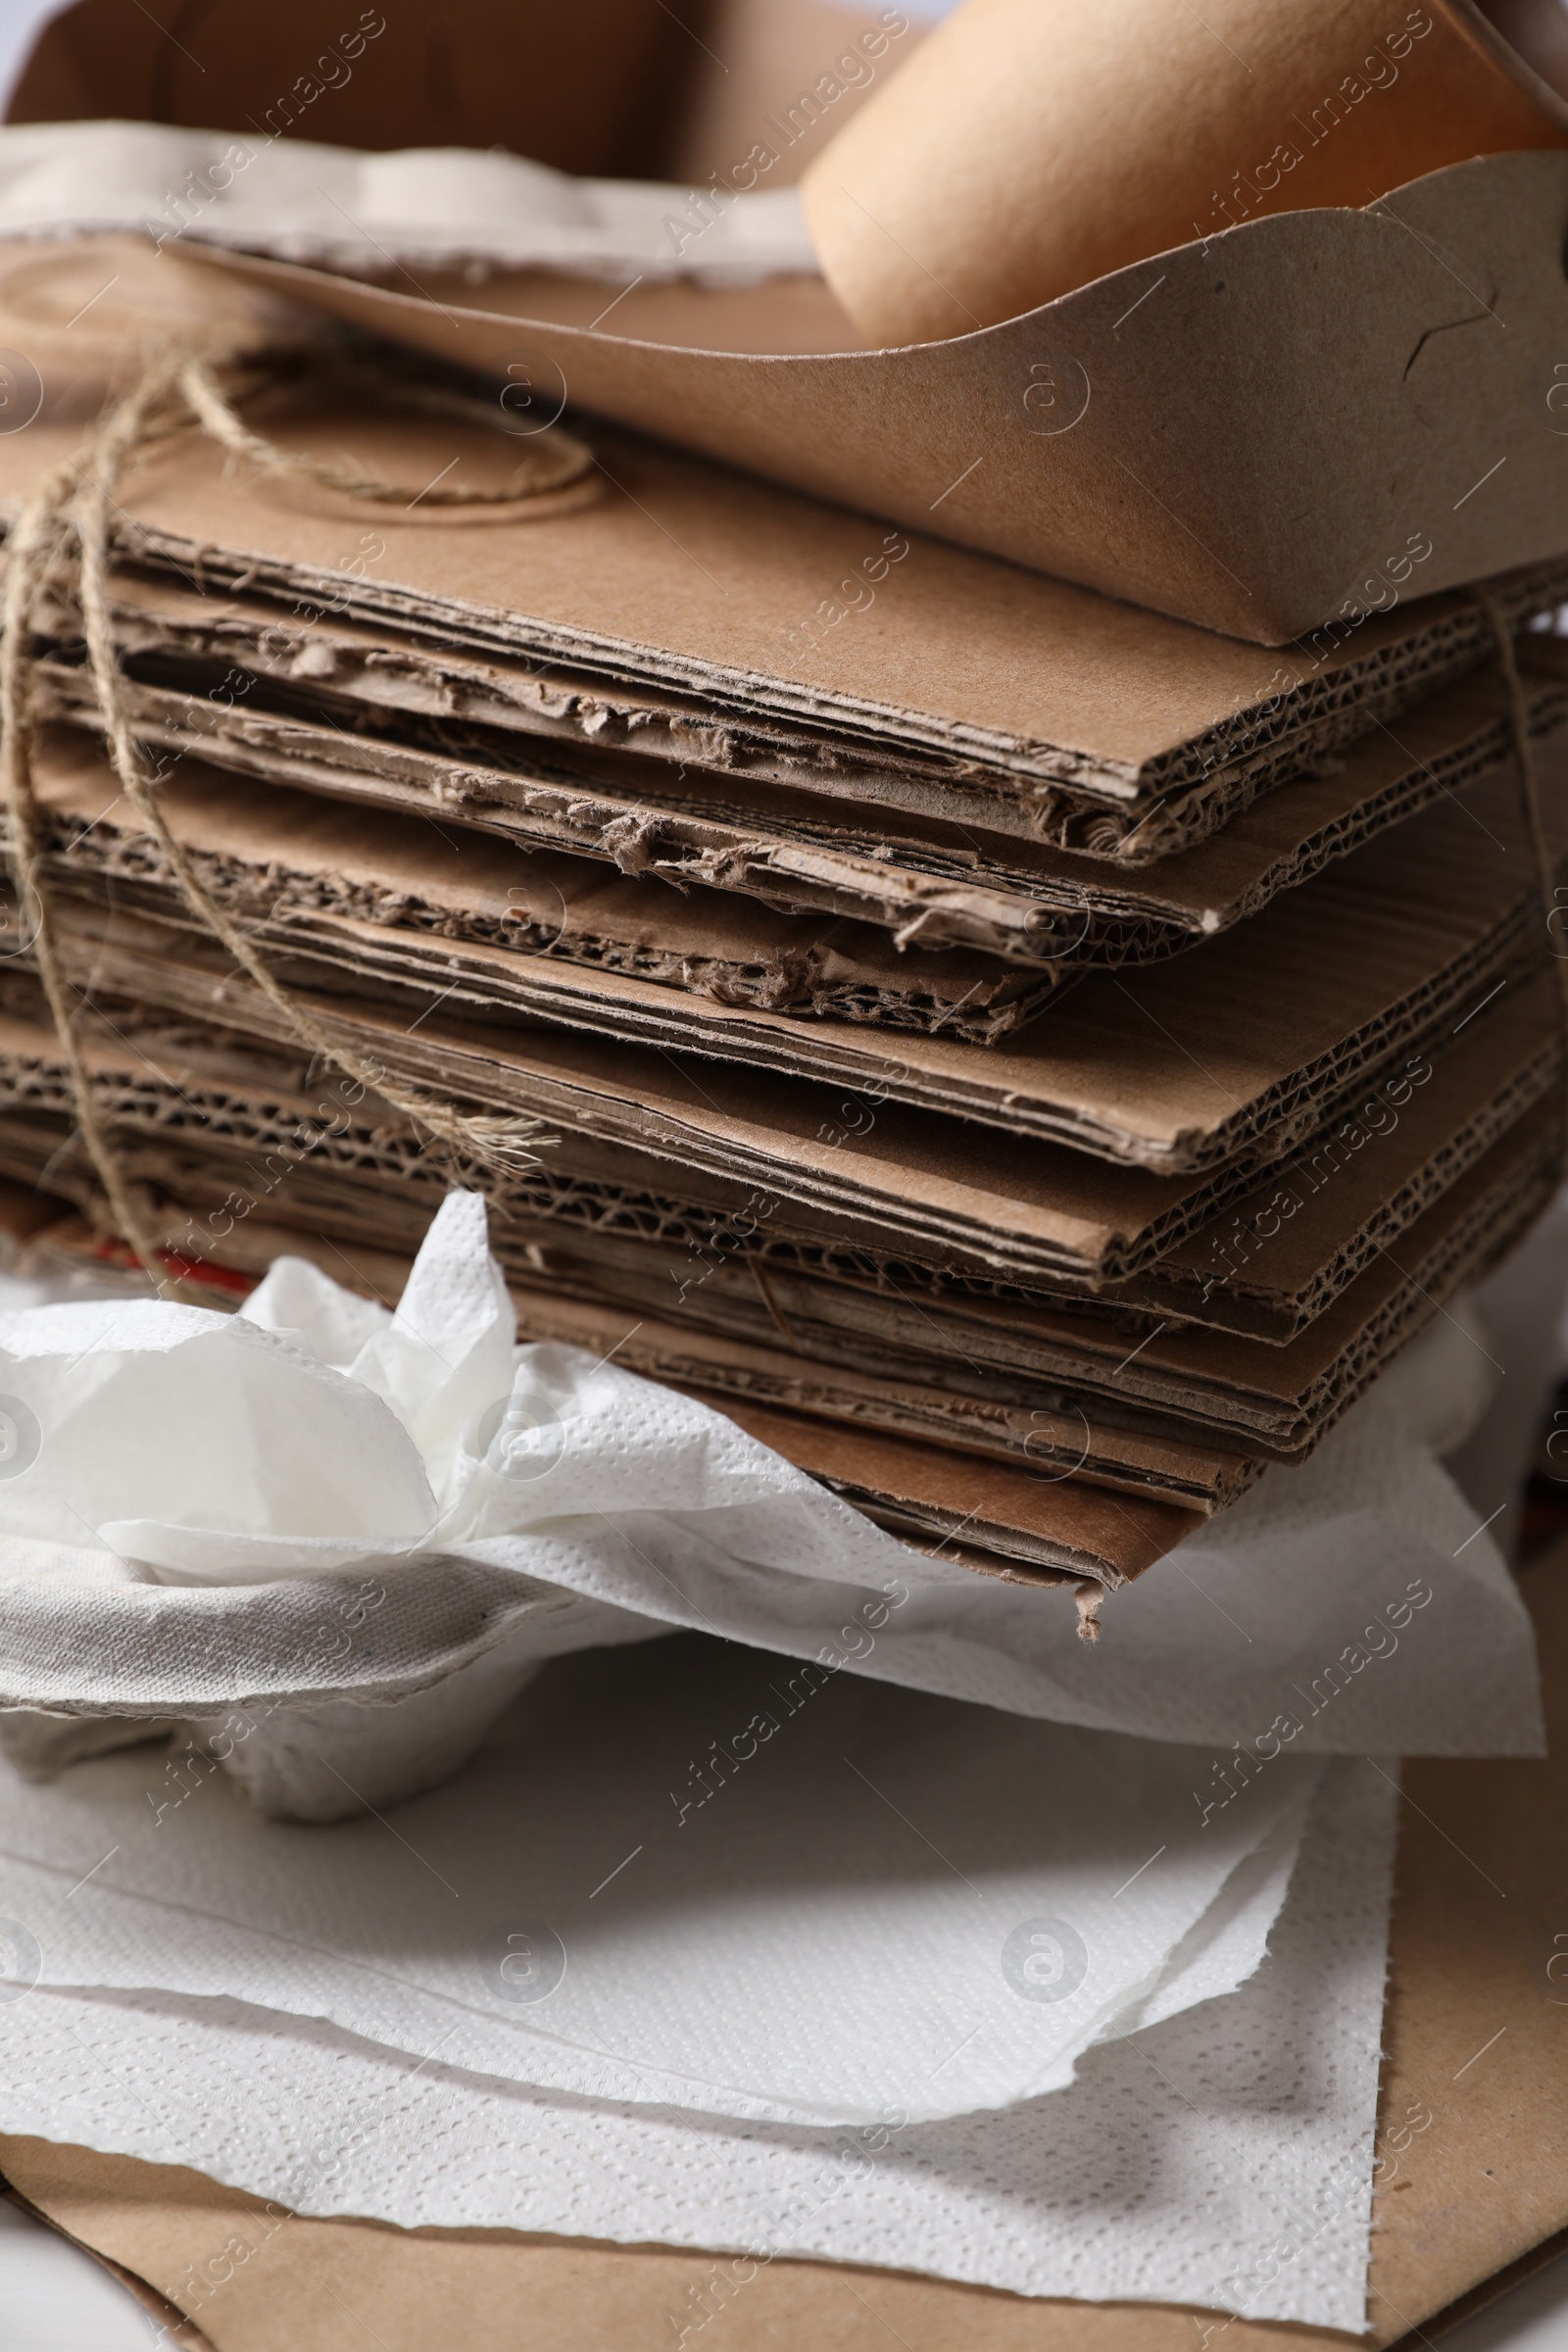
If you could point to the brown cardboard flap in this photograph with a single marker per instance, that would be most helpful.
(980, 182)
(531, 936)
(1472, 2150)
(1321, 413)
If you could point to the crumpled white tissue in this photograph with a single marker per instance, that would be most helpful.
(698, 1877)
(1351, 1604)
(441, 207)
(1222, 2160)
(122, 1401)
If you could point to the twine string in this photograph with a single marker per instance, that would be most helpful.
(551, 460)
(77, 501)
(34, 545)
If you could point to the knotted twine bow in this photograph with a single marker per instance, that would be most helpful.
(177, 389)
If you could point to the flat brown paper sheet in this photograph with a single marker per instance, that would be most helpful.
(1472, 2147)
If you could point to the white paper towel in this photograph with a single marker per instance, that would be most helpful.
(699, 1877)
(1223, 2159)
(1349, 1605)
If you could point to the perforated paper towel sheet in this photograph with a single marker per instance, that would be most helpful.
(1222, 2159)
(693, 1876)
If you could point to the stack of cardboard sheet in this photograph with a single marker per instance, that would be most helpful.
(1032, 1060)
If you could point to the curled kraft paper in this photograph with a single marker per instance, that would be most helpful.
(1245, 433)
(1031, 146)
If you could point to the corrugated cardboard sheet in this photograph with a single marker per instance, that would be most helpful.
(1243, 1047)
(196, 1133)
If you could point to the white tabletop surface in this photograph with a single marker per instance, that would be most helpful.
(54, 2298)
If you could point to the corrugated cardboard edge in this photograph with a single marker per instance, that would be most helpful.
(1473, 2037)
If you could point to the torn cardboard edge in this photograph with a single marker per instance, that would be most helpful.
(1275, 1402)
(870, 1182)
(1241, 1049)
(486, 712)
(1049, 909)
(300, 870)
(223, 1122)
(1199, 1387)
(1457, 1964)
(958, 689)
(367, 887)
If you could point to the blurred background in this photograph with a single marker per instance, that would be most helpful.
(665, 92)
